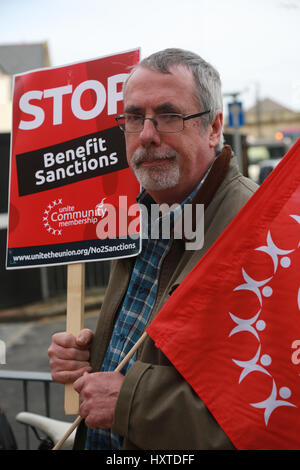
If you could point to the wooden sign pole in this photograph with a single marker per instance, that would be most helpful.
(75, 323)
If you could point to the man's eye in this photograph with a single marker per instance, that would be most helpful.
(133, 118)
(169, 117)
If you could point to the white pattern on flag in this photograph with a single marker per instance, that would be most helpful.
(244, 325)
(252, 285)
(250, 366)
(271, 403)
(272, 250)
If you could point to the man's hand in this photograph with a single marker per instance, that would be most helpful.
(98, 396)
(69, 356)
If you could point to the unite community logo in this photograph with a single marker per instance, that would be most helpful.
(155, 222)
(57, 216)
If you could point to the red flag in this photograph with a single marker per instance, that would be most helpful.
(231, 326)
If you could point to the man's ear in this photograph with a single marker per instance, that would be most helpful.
(216, 127)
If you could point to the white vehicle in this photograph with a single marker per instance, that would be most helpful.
(263, 156)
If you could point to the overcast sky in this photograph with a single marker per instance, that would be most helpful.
(253, 43)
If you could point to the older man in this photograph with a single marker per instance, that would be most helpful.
(173, 128)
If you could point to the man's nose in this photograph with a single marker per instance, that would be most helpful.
(149, 134)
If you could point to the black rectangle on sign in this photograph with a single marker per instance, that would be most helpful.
(65, 253)
(78, 159)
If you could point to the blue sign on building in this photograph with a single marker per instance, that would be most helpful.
(236, 116)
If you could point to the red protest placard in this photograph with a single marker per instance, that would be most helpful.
(70, 185)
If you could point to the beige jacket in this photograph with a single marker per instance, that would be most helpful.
(156, 408)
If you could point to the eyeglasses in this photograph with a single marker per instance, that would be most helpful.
(167, 122)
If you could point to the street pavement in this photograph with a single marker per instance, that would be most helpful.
(27, 343)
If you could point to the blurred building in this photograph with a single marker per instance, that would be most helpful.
(269, 130)
(17, 58)
(268, 119)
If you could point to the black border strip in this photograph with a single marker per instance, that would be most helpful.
(94, 250)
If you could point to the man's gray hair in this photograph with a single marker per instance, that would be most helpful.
(207, 79)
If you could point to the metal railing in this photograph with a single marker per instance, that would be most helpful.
(25, 377)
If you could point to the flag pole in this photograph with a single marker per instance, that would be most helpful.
(77, 421)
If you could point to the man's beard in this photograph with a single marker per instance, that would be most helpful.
(164, 176)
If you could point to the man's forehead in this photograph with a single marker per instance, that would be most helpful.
(166, 87)
(177, 70)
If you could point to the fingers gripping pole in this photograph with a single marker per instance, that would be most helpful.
(118, 369)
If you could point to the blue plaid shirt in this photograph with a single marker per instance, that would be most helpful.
(131, 323)
(133, 316)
